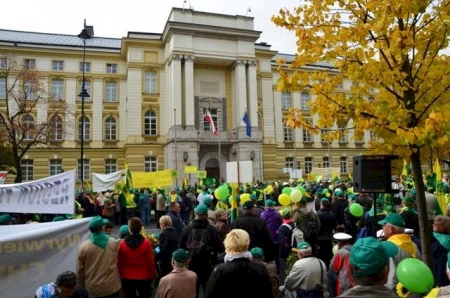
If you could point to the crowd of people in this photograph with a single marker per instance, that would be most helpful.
(315, 247)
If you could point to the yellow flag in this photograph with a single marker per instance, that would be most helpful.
(437, 171)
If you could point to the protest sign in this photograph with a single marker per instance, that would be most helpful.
(103, 182)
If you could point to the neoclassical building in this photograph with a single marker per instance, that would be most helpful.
(149, 92)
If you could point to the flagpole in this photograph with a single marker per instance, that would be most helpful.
(220, 151)
(175, 141)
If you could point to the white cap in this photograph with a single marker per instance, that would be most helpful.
(409, 231)
(342, 237)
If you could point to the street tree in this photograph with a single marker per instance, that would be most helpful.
(29, 117)
(394, 55)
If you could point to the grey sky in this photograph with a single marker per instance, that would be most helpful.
(114, 18)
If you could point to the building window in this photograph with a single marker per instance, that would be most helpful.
(343, 134)
(28, 127)
(30, 63)
(344, 168)
(57, 65)
(308, 164)
(326, 161)
(2, 63)
(289, 162)
(150, 82)
(87, 66)
(87, 86)
(2, 88)
(286, 100)
(29, 91)
(323, 135)
(304, 101)
(110, 129)
(150, 164)
(86, 169)
(55, 167)
(87, 128)
(150, 123)
(111, 68)
(206, 124)
(288, 134)
(110, 165)
(55, 128)
(110, 92)
(27, 169)
(306, 135)
(58, 89)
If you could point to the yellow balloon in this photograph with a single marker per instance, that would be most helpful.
(328, 195)
(245, 197)
(284, 199)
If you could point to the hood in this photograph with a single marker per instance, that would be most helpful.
(133, 241)
(199, 223)
(404, 242)
(443, 239)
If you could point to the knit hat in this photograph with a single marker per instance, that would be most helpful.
(124, 230)
(257, 252)
(180, 255)
(201, 209)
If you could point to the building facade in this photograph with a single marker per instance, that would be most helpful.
(148, 94)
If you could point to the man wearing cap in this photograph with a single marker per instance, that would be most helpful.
(369, 265)
(200, 233)
(211, 213)
(308, 276)
(97, 262)
(394, 231)
(308, 222)
(409, 214)
(339, 276)
(338, 206)
(258, 257)
(181, 282)
(325, 236)
(257, 229)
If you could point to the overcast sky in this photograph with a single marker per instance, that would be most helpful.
(114, 18)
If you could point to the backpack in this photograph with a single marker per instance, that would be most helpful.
(295, 236)
(308, 225)
(198, 246)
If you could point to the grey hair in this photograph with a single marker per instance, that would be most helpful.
(306, 252)
(397, 230)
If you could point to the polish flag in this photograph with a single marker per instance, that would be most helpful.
(212, 127)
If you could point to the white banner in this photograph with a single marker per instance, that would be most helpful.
(35, 254)
(3, 175)
(245, 173)
(102, 182)
(55, 195)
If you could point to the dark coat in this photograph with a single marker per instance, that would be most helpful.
(177, 223)
(327, 224)
(168, 243)
(338, 206)
(258, 232)
(239, 278)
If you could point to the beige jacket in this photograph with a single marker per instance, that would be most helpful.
(97, 268)
(180, 282)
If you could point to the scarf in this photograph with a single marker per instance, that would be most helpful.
(443, 239)
(245, 254)
(404, 242)
(100, 239)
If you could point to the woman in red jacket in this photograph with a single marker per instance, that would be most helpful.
(136, 262)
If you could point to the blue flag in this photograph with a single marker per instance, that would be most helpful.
(248, 128)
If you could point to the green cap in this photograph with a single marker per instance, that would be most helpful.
(302, 245)
(352, 197)
(180, 255)
(59, 218)
(257, 252)
(408, 199)
(201, 209)
(370, 255)
(207, 201)
(339, 193)
(97, 222)
(5, 218)
(285, 213)
(270, 203)
(124, 230)
(324, 199)
(393, 219)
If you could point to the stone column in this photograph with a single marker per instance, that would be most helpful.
(240, 88)
(175, 87)
(189, 113)
(252, 96)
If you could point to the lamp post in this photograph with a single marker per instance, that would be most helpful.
(86, 33)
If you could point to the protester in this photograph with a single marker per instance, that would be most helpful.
(308, 222)
(136, 262)
(160, 209)
(258, 256)
(440, 246)
(272, 218)
(409, 214)
(308, 277)
(325, 236)
(116, 202)
(369, 266)
(109, 207)
(338, 206)
(239, 276)
(168, 243)
(339, 276)
(144, 206)
(124, 231)
(222, 223)
(177, 222)
(211, 213)
(65, 286)
(180, 282)
(204, 244)
(284, 242)
(257, 229)
(186, 206)
(97, 262)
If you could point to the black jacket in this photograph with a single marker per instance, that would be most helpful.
(338, 206)
(168, 243)
(258, 232)
(239, 278)
(177, 223)
(327, 224)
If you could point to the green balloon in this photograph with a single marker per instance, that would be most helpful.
(356, 210)
(287, 190)
(222, 193)
(325, 191)
(415, 275)
(301, 188)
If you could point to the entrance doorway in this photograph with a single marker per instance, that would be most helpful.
(212, 169)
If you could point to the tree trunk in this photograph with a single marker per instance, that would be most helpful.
(18, 165)
(425, 233)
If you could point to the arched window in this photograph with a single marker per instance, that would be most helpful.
(28, 127)
(55, 128)
(87, 128)
(150, 123)
(110, 129)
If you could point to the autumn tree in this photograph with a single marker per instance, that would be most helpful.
(393, 52)
(29, 117)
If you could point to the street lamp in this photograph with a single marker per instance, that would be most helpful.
(86, 33)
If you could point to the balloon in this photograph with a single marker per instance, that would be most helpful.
(330, 187)
(415, 275)
(296, 196)
(301, 188)
(356, 210)
(328, 195)
(222, 193)
(244, 198)
(284, 199)
(287, 190)
(325, 191)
